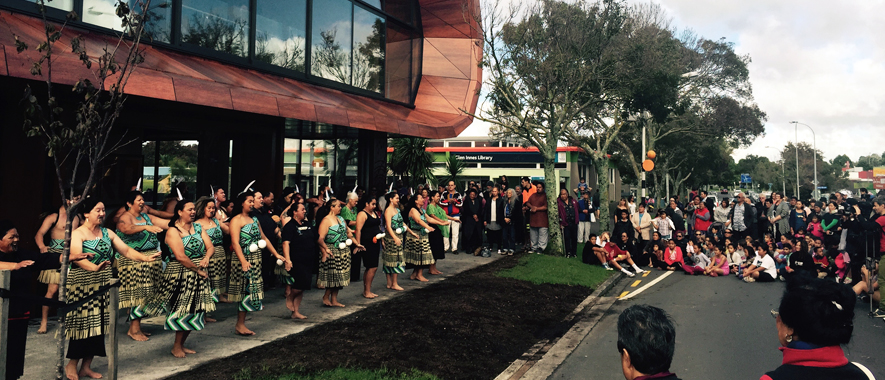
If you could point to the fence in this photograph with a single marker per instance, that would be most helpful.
(114, 302)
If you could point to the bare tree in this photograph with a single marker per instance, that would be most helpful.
(100, 100)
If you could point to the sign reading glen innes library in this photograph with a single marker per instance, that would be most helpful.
(527, 157)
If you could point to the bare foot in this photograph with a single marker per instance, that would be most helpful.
(42, 329)
(71, 373)
(145, 333)
(370, 295)
(88, 372)
(397, 287)
(326, 302)
(210, 319)
(388, 286)
(337, 304)
(298, 316)
(289, 304)
(244, 331)
(422, 279)
(188, 350)
(178, 353)
(436, 272)
(141, 337)
(412, 277)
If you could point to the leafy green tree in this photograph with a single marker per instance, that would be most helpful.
(454, 168)
(411, 158)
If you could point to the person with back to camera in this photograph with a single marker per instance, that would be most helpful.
(646, 342)
(814, 318)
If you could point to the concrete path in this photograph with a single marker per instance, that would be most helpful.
(152, 359)
(724, 330)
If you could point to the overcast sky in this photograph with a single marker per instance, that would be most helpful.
(817, 62)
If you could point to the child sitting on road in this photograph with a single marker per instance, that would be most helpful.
(719, 265)
(781, 256)
(821, 262)
(672, 257)
(696, 263)
(615, 255)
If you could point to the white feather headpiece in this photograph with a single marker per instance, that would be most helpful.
(138, 185)
(249, 186)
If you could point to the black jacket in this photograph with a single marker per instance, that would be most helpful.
(749, 216)
(621, 227)
(499, 211)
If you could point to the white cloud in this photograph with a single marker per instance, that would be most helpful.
(817, 62)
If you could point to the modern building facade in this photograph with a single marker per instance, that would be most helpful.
(237, 80)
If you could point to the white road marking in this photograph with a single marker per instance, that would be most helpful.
(650, 284)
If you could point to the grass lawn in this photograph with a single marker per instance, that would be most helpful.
(544, 269)
(344, 374)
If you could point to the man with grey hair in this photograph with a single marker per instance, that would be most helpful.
(741, 217)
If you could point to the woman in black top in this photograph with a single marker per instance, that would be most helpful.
(368, 228)
(471, 219)
(300, 252)
(24, 266)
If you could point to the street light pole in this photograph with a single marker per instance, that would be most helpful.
(816, 191)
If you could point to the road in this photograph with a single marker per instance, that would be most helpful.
(724, 330)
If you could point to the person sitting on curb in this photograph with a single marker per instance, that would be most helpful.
(596, 245)
(763, 268)
(646, 342)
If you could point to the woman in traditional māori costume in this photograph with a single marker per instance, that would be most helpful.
(186, 294)
(437, 216)
(53, 228)
(392, 252)
(24, 265)
(369, 234)
(300, 252)
(335, 262)
(139, 280)
(216, 229)
(417, 251)
(246, 286)
(86, 326)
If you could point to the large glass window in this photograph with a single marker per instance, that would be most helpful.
(368, 50)
(103, 13)
(65, 5)
(221, 25)
(331, 40)
(280, 32)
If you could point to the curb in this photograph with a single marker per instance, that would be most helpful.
(544, 357)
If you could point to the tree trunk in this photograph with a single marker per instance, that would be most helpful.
(601, 166)
(62, 293)
(551, 188)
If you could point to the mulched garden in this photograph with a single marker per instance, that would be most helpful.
(470, 326)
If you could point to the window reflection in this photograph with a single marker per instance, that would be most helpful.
(280, 32)
(221, 25)
(368, 51)
(401, 9)
(331, 40)
(103, 13)
(65, 5)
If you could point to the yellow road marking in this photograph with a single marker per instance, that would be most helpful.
(646, 273)
(623, 294)
(635, 283)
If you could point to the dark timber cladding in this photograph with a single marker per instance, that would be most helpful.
(238, 104)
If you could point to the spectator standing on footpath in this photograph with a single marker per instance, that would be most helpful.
(646, 343)
(493, 219)
(721, 211)
(537, 208)
(740, 218)
(642, 225)
(586, 215)
(528, 188)
(778, 215)
(568, 222)
(451, 201)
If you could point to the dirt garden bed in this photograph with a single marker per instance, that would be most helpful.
(470, 326)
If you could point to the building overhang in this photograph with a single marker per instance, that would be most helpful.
(450, 83)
